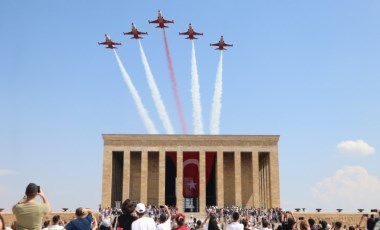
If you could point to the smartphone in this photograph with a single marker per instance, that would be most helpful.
(38, 189)
(161, 206)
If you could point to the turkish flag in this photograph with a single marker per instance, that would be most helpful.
(190, 174)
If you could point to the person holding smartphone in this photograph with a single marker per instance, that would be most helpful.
(29, 213)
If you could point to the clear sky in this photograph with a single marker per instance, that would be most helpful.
(308, 71)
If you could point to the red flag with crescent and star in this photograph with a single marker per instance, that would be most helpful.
(190, 174)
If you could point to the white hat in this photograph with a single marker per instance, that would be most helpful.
(140, 208)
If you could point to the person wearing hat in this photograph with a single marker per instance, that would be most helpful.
(84, 220)
(180, 219)
(105, 224)
(143, 222)
(28, 212)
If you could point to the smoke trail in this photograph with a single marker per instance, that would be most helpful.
(217, 100)
(174, 86)
(156, 94)
(140, 107)
(197, 109)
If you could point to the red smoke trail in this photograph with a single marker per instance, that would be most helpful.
(174, 86)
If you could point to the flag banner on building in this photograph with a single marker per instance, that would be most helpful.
(190, 174)
(191, 171)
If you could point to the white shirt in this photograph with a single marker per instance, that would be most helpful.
(164, 226)
(235, 226)
(55, 227)
(144, 223)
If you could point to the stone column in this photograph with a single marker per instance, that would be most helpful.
(237, 166)
(179, 183)
(255, 178)
(219, 179)
(266, 181)
(126, 173)
(274, 178)
(202, 181)
(161, 177)
(107, 177)
(144, 177)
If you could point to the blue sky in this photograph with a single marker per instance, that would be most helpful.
(305, 70)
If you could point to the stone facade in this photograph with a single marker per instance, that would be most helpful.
(246, 169)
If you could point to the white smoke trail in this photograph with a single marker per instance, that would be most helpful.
(217, 100)
(156, 94)
(197, 109)
(140, 107)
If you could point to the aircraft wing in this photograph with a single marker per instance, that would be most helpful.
(138, 32)
(196, 33)
(225, 44)
(115, 43)
(184, 33)
(102, 43)
(215, 44)
(128, 33)
(168, 21)
(154, 21)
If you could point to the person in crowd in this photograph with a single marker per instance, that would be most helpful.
(105, 224)
(287, 220)
(213, 223)
(337, 225)
(313, 225)
(125, 220)
(84, 220)
(245, 224)
(143, 222)
(2, 224)
(164, 219)
(371, 222)
(28, 212)
(265, 225)
(235, 225)
(198, 225)
(180, 222)
(55, 223)
(45, 225)
(322, 225)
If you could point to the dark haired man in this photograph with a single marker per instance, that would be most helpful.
(165, 223)
(55, 223)
(28, 212)
(126, 219)
(235, 225)
(84, 220)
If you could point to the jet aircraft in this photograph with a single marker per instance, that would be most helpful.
(134, 32)
(191, 33)
(161, 21)
(221, 44)
(109, 43)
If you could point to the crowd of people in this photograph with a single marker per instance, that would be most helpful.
(136, 216)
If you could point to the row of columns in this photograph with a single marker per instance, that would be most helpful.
(260, 178)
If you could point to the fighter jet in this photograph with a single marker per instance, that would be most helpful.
(190, 33)
(221, 44)
(134, 32)
(161, 21)
(109, 43)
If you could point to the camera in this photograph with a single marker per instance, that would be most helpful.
(161, 206)
(38, 189)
